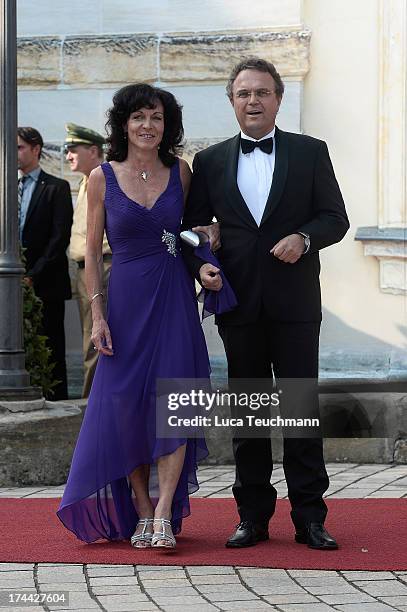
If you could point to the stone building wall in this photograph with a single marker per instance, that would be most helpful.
(355, 97)
(70, 65)
(337, 59)
(72, 58)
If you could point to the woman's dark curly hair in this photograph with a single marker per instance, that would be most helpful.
(129, 99)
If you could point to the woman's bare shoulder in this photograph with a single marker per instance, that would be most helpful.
(97, 175)
(185, 175)
(185, 172)
(184, 167)
(97, 182)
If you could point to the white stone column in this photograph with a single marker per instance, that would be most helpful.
(388, 242)
(392, 160)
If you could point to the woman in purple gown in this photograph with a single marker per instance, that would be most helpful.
(125, 482)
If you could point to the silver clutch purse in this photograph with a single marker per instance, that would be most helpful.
(194, 239)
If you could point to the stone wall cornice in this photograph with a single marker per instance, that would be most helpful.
(379, 234)
(235, 36)
(41, 43)
(130, 45)
(90, 61)
(203, 56)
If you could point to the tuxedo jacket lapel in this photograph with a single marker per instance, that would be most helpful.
(233, 195)
(35, 197)
(279, 176)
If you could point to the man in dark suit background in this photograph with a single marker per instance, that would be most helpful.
(278, 203)
(45, 219)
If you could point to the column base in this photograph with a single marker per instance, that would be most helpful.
(15, 394)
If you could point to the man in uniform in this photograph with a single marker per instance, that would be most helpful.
(84, 152)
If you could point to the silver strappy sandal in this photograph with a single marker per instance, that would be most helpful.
(143, 535)
(163, 538)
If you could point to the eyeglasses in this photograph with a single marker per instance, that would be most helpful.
(243, 94)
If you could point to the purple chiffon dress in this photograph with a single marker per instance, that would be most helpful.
(156, 333)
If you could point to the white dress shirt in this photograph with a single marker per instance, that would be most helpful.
(254, 176)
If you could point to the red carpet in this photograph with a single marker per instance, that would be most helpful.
(372, 535)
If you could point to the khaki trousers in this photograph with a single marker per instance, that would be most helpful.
(90, 356)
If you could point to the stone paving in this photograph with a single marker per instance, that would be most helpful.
(128, 588)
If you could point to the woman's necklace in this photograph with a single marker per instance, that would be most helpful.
(144, 174)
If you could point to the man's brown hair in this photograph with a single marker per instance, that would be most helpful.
(255, 63)
(31, 136)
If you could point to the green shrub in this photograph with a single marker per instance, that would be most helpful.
(37, 353)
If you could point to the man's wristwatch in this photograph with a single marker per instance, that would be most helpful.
(307, 242)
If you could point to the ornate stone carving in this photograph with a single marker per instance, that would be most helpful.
(38, 61)
(209, 57)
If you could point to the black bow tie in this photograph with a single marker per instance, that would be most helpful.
(265, 145)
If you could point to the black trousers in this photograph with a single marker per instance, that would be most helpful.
(290, 350)
(53, 314)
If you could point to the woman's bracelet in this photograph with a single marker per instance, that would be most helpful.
(95, 296)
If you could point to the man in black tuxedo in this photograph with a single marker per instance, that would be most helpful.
(45, 219)
(278, 203)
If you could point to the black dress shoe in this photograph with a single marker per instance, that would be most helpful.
(248, 533)
(316, 536)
